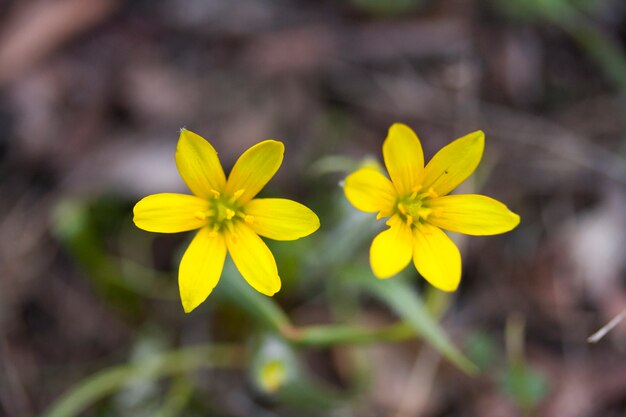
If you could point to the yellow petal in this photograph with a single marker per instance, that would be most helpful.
(370, 191)
(454, 163)
(254, 168)
(253, 259)
(200, 268)
(198, 164)
(170, 213)
(436, 257)
(391, 250)
(280, 219)
(471, 214)
(404, 158)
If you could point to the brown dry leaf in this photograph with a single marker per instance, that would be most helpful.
(37, 28)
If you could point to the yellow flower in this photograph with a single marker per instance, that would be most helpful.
(228, 216)
(418, 207)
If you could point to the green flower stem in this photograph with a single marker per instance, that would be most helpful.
(170, 363)
(259, 307)
(407, 304)
(330, 335)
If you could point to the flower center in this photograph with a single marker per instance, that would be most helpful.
(223, 211)
(410, 207)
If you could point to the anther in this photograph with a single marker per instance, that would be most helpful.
(214, 193)
(248, 219)
(424, 212)
(431, 193)
(402, 208)
(238, 193)
(415, 190)
(409, 220)
(230, 214)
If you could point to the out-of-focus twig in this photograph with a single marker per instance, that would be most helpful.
(597, 336)
(36, 28)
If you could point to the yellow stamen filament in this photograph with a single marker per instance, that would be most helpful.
(231, 231)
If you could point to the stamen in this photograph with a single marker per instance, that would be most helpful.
(431, 193)
(230, 214)
(248, 219)
(415, 190)
(238, 193)
(231, 232)
(424, 212)
(409, 220)
(214, 193)
(402, 208)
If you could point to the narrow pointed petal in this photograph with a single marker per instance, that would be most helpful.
(436, 257)
(198, 164)
(404, 158)
(454, 163)
(391, 250)
(254, 168)
(200, 268)
(370, 191)
(170, 213)
(281, 219)
(471, 214)
(253, 259)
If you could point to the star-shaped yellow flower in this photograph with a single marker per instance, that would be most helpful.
(418, 207)
(230, 219)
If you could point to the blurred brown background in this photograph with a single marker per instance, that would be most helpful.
(93, 92)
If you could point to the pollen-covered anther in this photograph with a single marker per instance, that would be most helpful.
(431, 193)
(415, 190)
(424, 212)
(214, 193)
(230, 214)
(238, 193)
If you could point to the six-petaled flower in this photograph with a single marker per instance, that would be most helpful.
(418, 206)
(230, 219)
